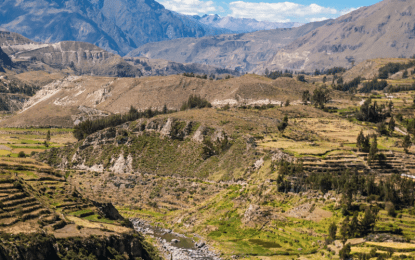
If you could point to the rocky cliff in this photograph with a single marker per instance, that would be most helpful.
(47, 247)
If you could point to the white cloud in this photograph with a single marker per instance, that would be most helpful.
(317, 19)
(190, 7)
(348, 10)
(278, 12)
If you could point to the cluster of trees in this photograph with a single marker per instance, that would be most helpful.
(195, 101)
(392, 89)
(373, 85)
(359, 227)
(192, 75)
(371, 112)
(14, 88)
(320, 97)
(392, 68)
(277, 74)
(88, 127)
(350, 86)
(395, 189)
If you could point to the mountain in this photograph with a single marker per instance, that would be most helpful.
(243, 52)
(241, 25)
(79, 58)
(383, 30)
(115, 25)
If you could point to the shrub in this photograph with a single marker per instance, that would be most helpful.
(390, 208)
(21, 154)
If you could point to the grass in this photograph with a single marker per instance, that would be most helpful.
(98, 218)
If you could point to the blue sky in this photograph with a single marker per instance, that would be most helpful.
(276, 11)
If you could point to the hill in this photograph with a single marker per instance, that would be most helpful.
(117, 26)
(243, 52)
(73, 99)
(383, 30)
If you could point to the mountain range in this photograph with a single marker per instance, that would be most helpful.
(241, 25)
(144, 28)
(242, 52)
(117, 26)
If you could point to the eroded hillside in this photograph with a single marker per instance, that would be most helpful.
(73, 99)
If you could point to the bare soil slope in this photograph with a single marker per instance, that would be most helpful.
(63, 102)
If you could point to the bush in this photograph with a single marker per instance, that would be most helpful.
(21, 154)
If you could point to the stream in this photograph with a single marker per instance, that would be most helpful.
(173, 245)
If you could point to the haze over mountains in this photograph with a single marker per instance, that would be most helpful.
(241, 25)
(243, 52)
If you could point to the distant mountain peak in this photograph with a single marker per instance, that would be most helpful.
(241, 25)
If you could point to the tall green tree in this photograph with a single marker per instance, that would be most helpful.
(332, 231)
(48, 136)
(392, 125)
(373, 150)
(406, 143)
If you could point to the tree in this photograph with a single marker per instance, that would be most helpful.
(283, 124)
(390, 105)
(354, 226)
(405, 74)
(306, 97)
(381, 128)
(392, 125)
(287, 103)
(301, 78)
(373, 150)
(344, 253)
(368, 221)
(324, 79)
(363, 142)
(406, 143)
(345, 229)
(165, 110)
(21, 154)
(321, 96)
(48, 136)
(332, 231)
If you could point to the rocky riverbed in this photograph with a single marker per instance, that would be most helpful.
(174, 245)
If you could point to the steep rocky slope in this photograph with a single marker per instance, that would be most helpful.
(5, 61)
(243, 52)
(63, 102)
(114, 25)
(383, 30)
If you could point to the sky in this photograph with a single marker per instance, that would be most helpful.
(302, 11)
